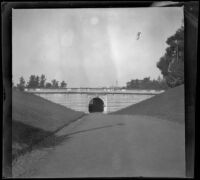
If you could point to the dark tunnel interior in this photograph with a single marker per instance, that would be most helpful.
(96, 105)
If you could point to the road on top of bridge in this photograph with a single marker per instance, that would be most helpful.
(99, 145)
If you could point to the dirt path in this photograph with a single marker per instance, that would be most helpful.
(115, 145)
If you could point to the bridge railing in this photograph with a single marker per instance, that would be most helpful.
(92, 90)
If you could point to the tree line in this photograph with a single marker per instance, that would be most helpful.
(147, 83)
(36, 81)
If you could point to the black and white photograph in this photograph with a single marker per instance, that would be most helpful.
(98, 92)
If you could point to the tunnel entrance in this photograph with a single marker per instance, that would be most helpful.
(96, 105)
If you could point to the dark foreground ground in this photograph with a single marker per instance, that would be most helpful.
(135, 143)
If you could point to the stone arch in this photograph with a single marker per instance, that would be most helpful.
(96, 104)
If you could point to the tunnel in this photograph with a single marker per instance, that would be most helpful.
(96, 105)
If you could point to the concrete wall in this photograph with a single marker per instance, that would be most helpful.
(80, 102)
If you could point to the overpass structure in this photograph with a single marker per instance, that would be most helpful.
(94, 99)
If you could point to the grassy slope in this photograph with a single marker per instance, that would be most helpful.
(169, 105)
(40, 113)
(34, 118)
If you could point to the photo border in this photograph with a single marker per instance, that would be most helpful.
(190, 61)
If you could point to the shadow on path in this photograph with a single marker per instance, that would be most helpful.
(53, 140)
(27, 138)
(93, 129)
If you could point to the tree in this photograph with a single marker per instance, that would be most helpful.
(48, 85)
(159, 79)
(146, 83)
(63, 84)
(37, 81)
(171, 64)
(33, 81)
(146, 80)
(163, 65)
(54, 83)
(42, 81)
(21, 84)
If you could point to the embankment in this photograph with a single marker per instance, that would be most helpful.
(34, 118)
(168, 105)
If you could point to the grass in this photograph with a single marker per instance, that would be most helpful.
(34, 118)
(168, 105)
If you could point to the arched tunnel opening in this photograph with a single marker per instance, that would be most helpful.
(96, 105)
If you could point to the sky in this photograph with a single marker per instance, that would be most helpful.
(91, 47)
